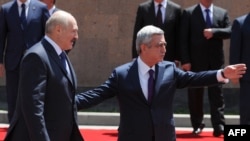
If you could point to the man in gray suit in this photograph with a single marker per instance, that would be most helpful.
(146, 99)
(46, 109)
(203, 28)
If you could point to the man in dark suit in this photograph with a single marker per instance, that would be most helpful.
(46, 109)
(16, 37)
(169, 23)
(239, 52)
(145, 99)
(203, 28)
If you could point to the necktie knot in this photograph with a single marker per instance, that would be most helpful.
(23, 16)
(23, 5)
(159, 5)
(151, 73)
(207, 11)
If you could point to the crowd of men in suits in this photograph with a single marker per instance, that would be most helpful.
(194, 38)
(191, 39)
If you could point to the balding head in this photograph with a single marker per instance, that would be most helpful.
(62, 28)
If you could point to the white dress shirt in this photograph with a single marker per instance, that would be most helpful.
(19, 3)
(144, 75)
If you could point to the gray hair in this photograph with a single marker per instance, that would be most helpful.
(144, 36)
(58, 18)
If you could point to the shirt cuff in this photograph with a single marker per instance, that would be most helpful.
(220, 78)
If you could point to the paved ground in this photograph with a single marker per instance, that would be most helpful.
(112, 119)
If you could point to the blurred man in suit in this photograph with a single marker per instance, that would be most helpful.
(46, 109)
(166, 17)
(22, 24)
(239, 52)
(203, 28)
(145, 89)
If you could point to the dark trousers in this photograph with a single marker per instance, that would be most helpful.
(216, 101)
(12, 78)
(244, 102)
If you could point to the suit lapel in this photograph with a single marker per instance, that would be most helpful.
(135, 80)
(71, 75)
(152, 16)
(216, 15)
(159, 72)
(15, 14)
(31, 12)
(52, 53)
(198, 13)
(168, 13)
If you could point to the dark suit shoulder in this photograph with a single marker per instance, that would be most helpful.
(126, 65)
(37, 49)
(174, 5)
(146, 4)
(8, 4)
(220, 8)
(243, 17)
(166, 64)
(38, 3)
(191, 8)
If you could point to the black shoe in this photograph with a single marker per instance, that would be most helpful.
(218, 131)
(198, 130)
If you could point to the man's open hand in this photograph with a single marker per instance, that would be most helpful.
(234, 71)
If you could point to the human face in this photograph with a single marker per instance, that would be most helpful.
(49, 3)
(206, 3)
(68, 35)
(23, 1)
(154, 52)
(158, 1)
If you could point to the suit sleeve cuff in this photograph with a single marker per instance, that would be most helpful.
(221, 78)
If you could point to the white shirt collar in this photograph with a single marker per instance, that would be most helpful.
(142, 67)
(19, 3)
(52, 10)
(203, 8)
(56, 47)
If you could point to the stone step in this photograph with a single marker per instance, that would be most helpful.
(112, 119)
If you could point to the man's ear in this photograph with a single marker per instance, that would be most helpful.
(58, 29)
(143, 47)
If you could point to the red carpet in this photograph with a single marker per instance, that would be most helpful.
(111, 135)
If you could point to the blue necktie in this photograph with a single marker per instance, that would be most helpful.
(63, 60)
(208, 19)
(150, 85)
(23, 16)
(159, 16)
